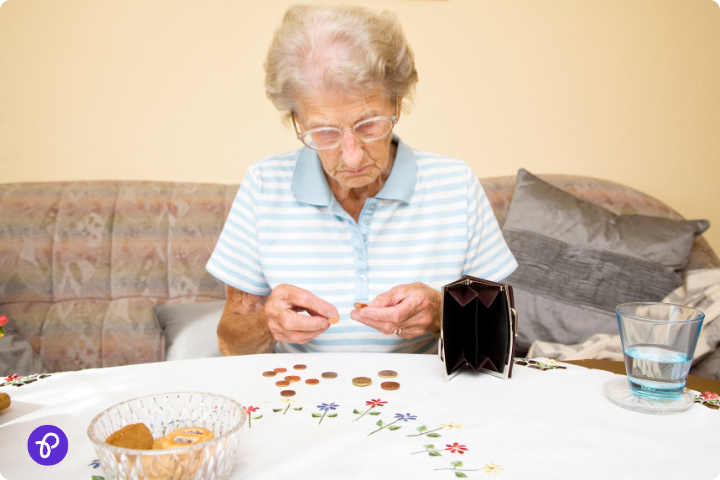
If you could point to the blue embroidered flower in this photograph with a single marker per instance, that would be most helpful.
(95, 464)
(405, 417)
(326, 407)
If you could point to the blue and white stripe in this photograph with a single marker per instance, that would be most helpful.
(431, 223)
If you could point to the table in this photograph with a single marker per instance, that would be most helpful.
(541, 424)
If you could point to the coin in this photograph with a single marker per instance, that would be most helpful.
(389, 385)
(329, 375)
(269, 374)
(300, 367)
(333, 321)
(282, 383)
(361, 381)
(360, 306)
(292, 378)
(280, 370)
(287, 393)
(312, 381)
(387, 374)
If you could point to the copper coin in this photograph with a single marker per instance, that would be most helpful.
(292, 378)
(389, 385)
(329, 375)
(360, 306)
(287, 393)
(333, 321)
(300, 367)
(280, 370)
(361, 381)
(312, 381)
(282, 383)
(269, 374)
(387, 374)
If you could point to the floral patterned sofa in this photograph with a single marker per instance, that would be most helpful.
(83, 263)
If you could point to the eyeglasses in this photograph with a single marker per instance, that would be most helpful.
(370, 130)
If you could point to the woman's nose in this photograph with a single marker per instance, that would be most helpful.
(351, 150)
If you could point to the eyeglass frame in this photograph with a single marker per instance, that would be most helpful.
(393, 120)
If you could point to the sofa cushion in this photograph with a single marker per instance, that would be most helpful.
(16, 354)
(577, 261)
(190, 329)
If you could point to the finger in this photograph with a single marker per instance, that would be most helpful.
(294, 322)
(297, 337)
(297, 297)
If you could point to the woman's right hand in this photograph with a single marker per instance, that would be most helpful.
(284, 321)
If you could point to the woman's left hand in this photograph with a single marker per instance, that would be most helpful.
(410, 310)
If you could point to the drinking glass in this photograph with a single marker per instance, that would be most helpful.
(658, 341)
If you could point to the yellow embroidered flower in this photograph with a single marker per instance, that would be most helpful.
(552, 363)
(450, 426)
(492, 468)
(287, 400)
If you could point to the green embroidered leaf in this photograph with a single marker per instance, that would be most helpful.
(357, 412)
(277, 410)
(460, 475)
(434, 435)
(394, 427)
(434, 454)
(374, 413)
(379, 423)
(429, 446)
(421, 429)
(258, 417)
(317, 415)
(332, 415)
(298, 409)
(95, 477)
(456, 464)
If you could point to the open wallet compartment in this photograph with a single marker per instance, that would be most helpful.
(478, 327)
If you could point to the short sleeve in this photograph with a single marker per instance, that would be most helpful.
(488, 256)
(236, 258)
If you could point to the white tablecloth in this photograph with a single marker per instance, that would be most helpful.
(553, 424)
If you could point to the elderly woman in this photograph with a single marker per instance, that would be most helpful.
(355, 215)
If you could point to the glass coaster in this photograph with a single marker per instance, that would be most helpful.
(618, 392)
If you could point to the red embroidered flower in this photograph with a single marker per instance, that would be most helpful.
(12, 378)
(250, 410)
(456, 448)
(375, 403)
(709, 396)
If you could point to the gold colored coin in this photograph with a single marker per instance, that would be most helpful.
(361, 381)
(292, 378)
(287, 393)
(300, 367)
(312, 381)
(389, 385)
(329, 375)
(269, 374)
(282, 383)
(280, 370)
(387, 374)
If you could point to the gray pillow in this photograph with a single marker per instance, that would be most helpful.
(16, 354)
(578, 261)
(190, 329)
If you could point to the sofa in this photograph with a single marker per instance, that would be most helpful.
(82, 264)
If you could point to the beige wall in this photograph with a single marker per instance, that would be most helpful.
(626, 90)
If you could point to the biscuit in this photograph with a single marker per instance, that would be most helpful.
(183, 437)
(135, 435)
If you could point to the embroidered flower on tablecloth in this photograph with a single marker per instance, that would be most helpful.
(372, 404)
(399, 417)
(450, 426)
(13, 378)
(95, 464)
(456, 448)
(492, 468)
(375, 403)
(405, 417)
(538, 365)
(16, 380)
(325, 408)
(709, 399)
(250, 411)
(288, 402)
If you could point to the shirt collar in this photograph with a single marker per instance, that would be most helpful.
(310, 186)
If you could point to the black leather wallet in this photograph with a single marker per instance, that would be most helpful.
(478, 327)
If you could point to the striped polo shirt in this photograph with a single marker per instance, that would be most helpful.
(430, 223)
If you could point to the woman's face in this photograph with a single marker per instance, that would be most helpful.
(353, 163)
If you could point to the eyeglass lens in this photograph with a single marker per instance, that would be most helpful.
(369, 130)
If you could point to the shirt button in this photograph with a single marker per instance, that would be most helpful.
(362, 278)
(361, 256)
(367, 221)
(365, 238)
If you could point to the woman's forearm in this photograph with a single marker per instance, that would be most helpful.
(243, 328)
